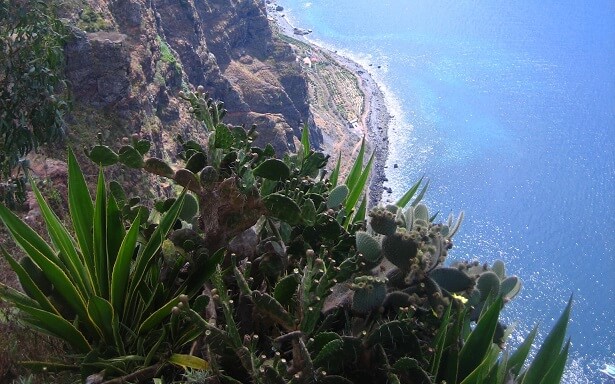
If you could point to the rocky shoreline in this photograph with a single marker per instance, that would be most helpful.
(375, 118)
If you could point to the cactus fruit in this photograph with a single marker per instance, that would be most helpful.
(383, 221)
(369, 293)
(400, 249)
(368, 246)
(337, 196)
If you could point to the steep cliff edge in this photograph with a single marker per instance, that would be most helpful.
(139, 54)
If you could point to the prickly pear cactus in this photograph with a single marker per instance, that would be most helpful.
(401, 249)
(383, 221)
(369, 293)
(368, 246)
(303, 292)
(491, 279)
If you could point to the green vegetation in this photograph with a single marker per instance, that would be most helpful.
(263, 270)
(92, 21)
(33, 94)
(165, 51)
(167, 61)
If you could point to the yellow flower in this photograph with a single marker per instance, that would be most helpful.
(462, 299)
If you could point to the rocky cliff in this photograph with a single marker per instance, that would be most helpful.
(128, 60)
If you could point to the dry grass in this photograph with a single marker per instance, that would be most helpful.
(19, 343)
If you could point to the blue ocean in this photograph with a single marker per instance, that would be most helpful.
(508, 107)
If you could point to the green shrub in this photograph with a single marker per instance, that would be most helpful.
(92, 21)
(33, 93)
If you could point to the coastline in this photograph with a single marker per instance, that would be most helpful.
(373, 122)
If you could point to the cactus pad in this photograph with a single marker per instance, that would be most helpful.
(383, 221)
(399, 249)
(337, 196)
(142, 146)
(397, 299)
(499, 269)
(328, 352)
(272, 169)
(190, 208)
(103, 155)
(368, 246)
(197, 162)
(286, 288)
(452, 279)
(510, 287)
(130, 157)
(308, 212)
(369, 293)
(186, 179)
(271, 308)
(396, 337)
(283, 207)
(208, 175)
(488, 284)
(158, 167)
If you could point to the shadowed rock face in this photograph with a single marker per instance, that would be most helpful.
(225, 45)
(97, 65)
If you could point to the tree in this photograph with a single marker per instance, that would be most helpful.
(33, 92)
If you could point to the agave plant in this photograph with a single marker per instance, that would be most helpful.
(97, 287)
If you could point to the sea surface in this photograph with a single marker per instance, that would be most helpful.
(508, 107)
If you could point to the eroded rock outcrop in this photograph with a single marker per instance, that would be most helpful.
(159, 47)
(97, 65)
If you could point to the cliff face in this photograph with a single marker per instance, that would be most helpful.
(149, 50)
